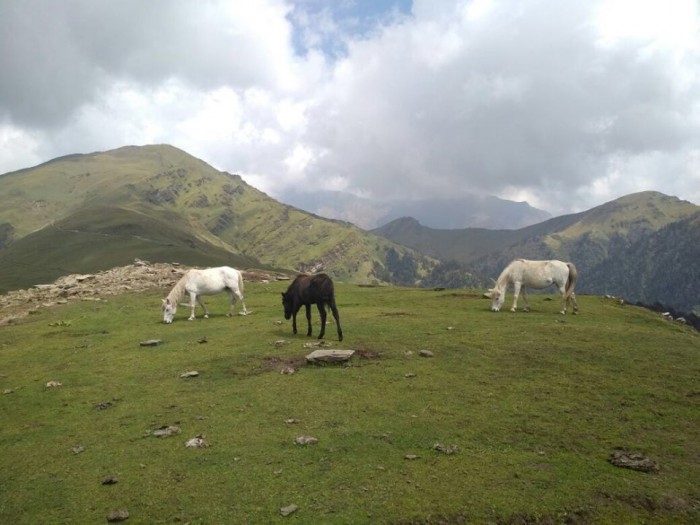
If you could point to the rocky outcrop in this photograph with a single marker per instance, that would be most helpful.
(136, 277)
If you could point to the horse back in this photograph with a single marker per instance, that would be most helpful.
(312, 289)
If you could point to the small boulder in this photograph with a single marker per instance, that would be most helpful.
(329, 356)
(631, 460)
(118, 515)
(151, 342)
(305, 440)
(199, 441)
(289, 509)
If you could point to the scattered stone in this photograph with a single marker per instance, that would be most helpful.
(118, 515)
(329, 356)
(8, 391)
(193, 373)
(305, 440)
(318, 344)
(631, 460)
(203, 340)
(199, 441)
(410, 457)
(289, 509)
(53, 384)
(450, 327)
(110, 480)
(151, 342)
(292, 421)
(410, 374)
(445, 449)
(103, 406)
(78, 449)
(280, 342)
(288, 371)
(58, 323)
(166, 431)
(426, 353)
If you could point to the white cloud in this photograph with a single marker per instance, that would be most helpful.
(537, 100)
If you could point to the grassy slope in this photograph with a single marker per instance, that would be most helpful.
(216, 211)
(535, 402)
(100, 238)
(629, 215)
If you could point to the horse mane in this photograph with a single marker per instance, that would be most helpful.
(178, 290)
(502, 280)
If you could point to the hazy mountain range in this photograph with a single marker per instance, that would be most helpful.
(472, 211)
(85, 213)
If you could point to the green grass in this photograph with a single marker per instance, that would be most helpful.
(534, 402)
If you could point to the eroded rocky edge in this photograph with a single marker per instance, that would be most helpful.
(137, 277)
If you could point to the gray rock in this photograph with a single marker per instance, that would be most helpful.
(329, 356)
(151, 342)
(118, 515)
(306, 440)
(289, 509)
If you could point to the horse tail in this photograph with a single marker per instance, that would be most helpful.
(240, 282)
(571, 280)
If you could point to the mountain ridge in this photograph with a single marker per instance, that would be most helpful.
(189, 202)
(471, 210)
(89, 212)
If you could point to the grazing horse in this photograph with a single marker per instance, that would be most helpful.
(538, 275)
(204, 282)
(307, 290)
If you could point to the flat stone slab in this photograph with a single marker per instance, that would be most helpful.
(329, 356)
(151, 342)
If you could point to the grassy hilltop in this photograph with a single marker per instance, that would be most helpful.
(531, 405)
(86, 213)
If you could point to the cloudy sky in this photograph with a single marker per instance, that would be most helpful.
(563, 103)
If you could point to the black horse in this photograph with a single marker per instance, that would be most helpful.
(307, 290)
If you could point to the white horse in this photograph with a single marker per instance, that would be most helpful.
(204, 282)
(538, 275)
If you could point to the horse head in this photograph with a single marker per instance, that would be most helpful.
(497, 297)
(288, 305)
(169, 310)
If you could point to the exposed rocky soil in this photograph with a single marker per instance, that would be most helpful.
(137, 277)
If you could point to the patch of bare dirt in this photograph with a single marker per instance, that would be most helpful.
(369, 355)
(282, 364)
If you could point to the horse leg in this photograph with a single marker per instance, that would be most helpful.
(334, 309)
(308, 318)
(523, 292)
(193, 302)
(573, 298)
(294, 319)
(240, 298)
(322, 313)
(204, 306)
(564, 300)
(516, 292)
